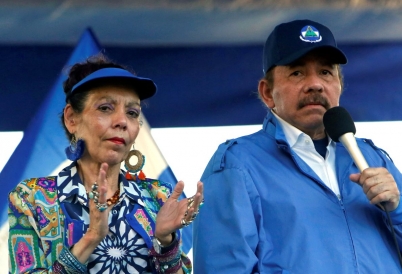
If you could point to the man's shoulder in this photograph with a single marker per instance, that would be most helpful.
(234, 152)
(368, 147)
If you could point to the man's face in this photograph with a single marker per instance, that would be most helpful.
(303, 91)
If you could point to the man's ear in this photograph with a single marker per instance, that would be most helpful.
(265, 91)
(70, 119)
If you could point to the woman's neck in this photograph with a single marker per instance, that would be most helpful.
(89, 172)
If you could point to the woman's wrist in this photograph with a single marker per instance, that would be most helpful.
(165, 241)
(70, 262)
(167, 259)
(85, 246)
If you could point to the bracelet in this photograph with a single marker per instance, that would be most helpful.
(58, 268)
(70, 262)
(169, 262)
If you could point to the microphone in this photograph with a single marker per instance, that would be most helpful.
(341, 128)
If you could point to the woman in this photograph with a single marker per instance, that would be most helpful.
(93, 217)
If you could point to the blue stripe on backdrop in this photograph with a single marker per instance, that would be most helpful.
(207, 85)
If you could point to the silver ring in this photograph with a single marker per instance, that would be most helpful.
(101, 207)
(190, 202)
(194, 216)
(184, 223)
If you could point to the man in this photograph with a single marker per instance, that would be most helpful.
(288, 199)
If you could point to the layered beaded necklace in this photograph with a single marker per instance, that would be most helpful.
(113, 200)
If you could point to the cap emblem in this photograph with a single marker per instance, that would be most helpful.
(310, 34)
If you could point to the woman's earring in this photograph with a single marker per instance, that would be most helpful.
(140, 161)
(75, 150)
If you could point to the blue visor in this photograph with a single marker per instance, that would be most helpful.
(144, 87)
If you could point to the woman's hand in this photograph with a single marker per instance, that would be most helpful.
(98, 221)
(172, 213)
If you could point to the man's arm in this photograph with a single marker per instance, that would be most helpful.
(226, 232)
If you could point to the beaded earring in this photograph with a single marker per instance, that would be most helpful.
(75, 150)
(140, 161)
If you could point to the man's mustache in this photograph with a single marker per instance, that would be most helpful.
(316, 99)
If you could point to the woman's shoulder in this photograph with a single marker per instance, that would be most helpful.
(154, 188)
(32, 189)
(148, 183)
(34, 184)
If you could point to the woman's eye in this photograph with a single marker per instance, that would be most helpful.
(133, 113)
(104, 108)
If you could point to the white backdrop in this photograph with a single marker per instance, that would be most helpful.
(188, 150)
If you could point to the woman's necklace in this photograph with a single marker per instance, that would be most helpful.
(113, 200)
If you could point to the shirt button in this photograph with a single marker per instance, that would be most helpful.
(114, 211)
(112, 237)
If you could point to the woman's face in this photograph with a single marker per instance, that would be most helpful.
(108, 124)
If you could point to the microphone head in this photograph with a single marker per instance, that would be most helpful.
(337, 121)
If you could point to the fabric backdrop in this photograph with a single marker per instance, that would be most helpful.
(201, 86)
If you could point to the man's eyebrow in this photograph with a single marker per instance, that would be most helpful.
(321, 61)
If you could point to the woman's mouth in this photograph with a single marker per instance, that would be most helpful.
(117, 140)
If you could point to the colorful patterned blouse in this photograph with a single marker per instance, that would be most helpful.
(48, 213)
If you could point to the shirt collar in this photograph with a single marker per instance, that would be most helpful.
(293, 135)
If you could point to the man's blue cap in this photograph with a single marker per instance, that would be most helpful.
(290, 41)
(144, 87)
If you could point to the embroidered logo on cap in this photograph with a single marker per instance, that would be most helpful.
(310, 34)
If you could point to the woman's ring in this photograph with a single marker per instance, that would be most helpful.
(184, 223)
(101, 207)
(194, 216)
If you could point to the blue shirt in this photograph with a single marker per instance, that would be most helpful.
(266, 211)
